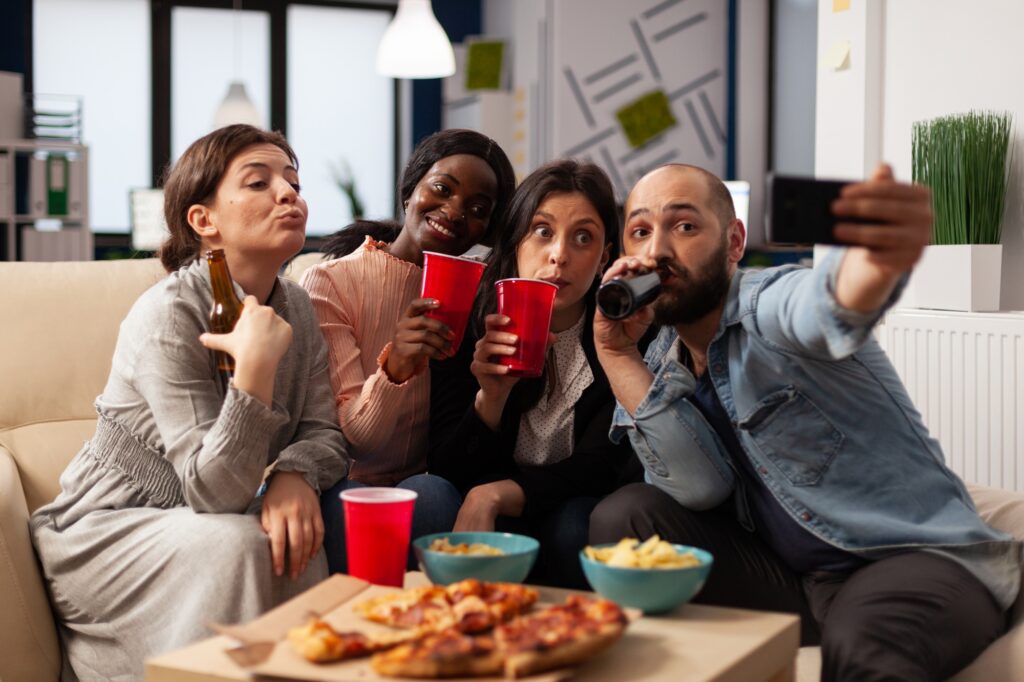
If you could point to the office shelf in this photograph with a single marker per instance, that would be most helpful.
(44, 180)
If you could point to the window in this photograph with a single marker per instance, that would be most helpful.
(210, 48)
(153, 83)
(340, 112)
(112, 77)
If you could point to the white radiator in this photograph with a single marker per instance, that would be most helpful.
(965, 374)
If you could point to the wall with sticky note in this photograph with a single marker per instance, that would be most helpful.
(911, 60)
(628, 85)
(652, 81)
(644, 86)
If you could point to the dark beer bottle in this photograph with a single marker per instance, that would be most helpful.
(620, 298)
(226, 306)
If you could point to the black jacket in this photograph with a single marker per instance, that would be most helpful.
(465, 451)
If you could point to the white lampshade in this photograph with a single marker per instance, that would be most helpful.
(414, 44)
(236, 108)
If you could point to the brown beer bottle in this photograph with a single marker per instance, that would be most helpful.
(226, 306)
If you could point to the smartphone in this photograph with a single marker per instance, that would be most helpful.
(799, 210)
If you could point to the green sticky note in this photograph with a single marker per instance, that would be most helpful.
(484, 65)
(646, 118)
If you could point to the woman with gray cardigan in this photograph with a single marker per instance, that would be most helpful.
(159, 528)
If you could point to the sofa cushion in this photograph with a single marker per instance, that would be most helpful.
(42, 451)
(60, 322)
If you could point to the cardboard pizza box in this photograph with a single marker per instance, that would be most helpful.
(694, 642)
(261, 648)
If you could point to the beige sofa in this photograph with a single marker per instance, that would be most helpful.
(59, 325)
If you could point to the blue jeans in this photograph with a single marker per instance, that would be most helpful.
(562, 533)
(437, 505)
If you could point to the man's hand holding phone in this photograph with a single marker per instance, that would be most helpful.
(881, 252)
(902, 217)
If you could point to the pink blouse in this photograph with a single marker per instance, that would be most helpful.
(359, 299)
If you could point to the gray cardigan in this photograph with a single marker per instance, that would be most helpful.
(170, 424)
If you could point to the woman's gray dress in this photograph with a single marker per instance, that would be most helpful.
(156, 530)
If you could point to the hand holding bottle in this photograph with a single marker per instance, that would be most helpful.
(257, 343)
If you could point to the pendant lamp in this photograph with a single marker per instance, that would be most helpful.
(414, 44)
(236, 107)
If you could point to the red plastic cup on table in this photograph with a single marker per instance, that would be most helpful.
(378, 522)
(528, 304)
(453, 282)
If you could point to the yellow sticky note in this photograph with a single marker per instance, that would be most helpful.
(840, 5)
(838, 56)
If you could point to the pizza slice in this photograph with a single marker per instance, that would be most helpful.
(559, 636)
(449, 653)
(470, 605)
(480, 606)
(554, 637)
(318, 642)
(419, 607)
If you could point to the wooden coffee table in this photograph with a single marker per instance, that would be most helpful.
(691, 643)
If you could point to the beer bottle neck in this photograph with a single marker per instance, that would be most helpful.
(220, 279)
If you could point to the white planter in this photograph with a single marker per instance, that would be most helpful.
(960, 277)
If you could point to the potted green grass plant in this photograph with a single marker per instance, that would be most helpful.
(964, 159)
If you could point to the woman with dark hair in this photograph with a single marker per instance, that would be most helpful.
(533, 455)
(454, 192)
(166, 490)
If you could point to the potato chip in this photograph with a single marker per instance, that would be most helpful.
(651, 553)
(474, 549)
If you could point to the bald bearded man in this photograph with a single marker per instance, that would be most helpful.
(776, 434)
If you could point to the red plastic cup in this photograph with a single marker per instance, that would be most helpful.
(378, 522)
(528, 304)
(453, 281)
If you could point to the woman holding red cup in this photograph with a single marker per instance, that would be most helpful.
(380, 335)
(532, 455)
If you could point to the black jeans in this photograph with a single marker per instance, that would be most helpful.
(913, 616)
(562, 533)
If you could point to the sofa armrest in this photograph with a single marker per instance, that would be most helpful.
(29, 648)
(1003, 510)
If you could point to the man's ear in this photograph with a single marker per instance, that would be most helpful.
(200, 219)
(736, 240)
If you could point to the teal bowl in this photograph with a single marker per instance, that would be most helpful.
(653, 590)
(513, 566)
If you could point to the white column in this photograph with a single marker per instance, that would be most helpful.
(848, 120)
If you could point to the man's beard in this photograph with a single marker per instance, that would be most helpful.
(690, 297)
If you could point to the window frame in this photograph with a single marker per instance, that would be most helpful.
(278, 10)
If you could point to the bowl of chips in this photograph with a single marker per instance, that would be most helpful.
(495, 557)
(654, 576)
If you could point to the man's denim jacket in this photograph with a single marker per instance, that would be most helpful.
(826, 422)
